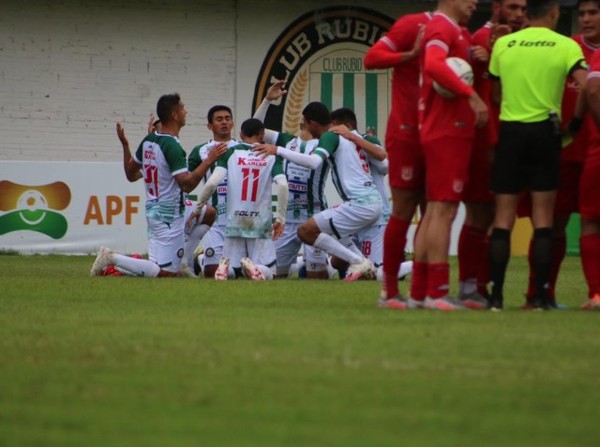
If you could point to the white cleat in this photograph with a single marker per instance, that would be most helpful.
(222, 271)
(103, 260)
(406, 269)
(251, 271)
(364, 269)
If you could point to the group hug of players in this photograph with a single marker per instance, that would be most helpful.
(439, 152)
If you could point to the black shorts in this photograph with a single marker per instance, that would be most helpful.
(526, 158)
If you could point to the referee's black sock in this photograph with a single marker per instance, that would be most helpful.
(542, 264)
(499, 256)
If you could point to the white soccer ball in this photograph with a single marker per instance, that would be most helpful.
(462, 69)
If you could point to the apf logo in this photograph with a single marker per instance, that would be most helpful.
(321, 55)
(34, 208)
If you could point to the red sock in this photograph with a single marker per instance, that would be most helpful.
(483, 270)
(418, 281)
(531, 285)
(559, 250)
(438, 280)
(590, 259)
(468, 244)
(394, 241)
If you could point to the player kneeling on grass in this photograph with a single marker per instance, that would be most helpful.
(249, 231)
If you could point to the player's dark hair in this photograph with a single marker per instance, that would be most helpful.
(344, 116)
(215, 109)
(252, 127)
(537, 9)
(597, 2)
(318, 112)
(166, 105)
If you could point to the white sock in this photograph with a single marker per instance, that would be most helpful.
(350, 245)
(330, 245)
(192, 240)
(137, 267)
(405, 269)
(265, 271)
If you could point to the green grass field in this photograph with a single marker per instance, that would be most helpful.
(179, 362)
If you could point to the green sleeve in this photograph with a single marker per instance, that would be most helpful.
(372, 139)
(223, 159)
(175, 155)
(277, 167)
(194, 159)
(328, 144)
(283, 139)
(575, 56)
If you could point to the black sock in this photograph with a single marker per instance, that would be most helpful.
(499, 256)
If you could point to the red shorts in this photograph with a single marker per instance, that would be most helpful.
(477, 188)
(589, 203)
(446, 168)
(406, 163)
(567, 196)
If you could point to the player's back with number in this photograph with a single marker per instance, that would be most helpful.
(162, 157)
(249, 192)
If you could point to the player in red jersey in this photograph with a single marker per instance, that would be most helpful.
(447, 129)
(399, 48)
(507, 16)
(573, 155)
(588, 198)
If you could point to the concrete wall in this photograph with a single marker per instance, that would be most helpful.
(70, 69)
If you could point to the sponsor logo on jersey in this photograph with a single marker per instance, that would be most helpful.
(244, 213)
(34, 208)
(321, 55)
(530, 43)
(297, 187)
(251, 162)
(222, 190)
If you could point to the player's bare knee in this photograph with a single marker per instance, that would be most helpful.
(308, 232)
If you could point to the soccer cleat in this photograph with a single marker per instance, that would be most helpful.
(103, 260)
(474, 300)
(397, 303)
(406, 269)
(251, 271)
(496, 304)
(364, 269)
(592, 304)
(222, 272)
(185, 271)
(415, 304)
(111, 270)
(446, 304)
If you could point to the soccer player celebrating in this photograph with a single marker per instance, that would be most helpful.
(400, 48)
(473, 266)
(530, 68)
(220, 123)
(163, 164)
(447, 131)
(248, 246)
(305, 197)
(331, 229)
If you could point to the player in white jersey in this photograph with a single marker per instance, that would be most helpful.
(163, 165)
(331, 229)
(306, 195)
(220, 123)
(249, 227)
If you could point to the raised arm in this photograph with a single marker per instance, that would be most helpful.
(310, 161)
(130, 166)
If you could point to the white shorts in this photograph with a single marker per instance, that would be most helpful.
(213, 242)
(370, 243)
(288, 246)
(165, 243)
(348, 218)
(261, 251)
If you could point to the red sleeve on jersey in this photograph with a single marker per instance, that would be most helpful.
(381, 55)
(435, 66)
